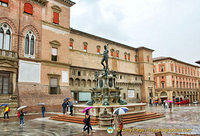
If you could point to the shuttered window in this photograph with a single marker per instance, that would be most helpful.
(4, 1)
(55, 18)
(28, 8)
(53, 85)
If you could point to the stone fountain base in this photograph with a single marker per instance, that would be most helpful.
(133, 108)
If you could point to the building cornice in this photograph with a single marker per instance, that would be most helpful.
(55, 26)
(74, 31)
(46, 62)
(41, 2)
(169, 58)
(99, 55)
(68, 3)
(79, 67)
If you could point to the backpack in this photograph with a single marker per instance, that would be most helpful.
(8, 109)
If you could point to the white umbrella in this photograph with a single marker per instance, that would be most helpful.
(21, 107)
(121, 110)
(41, 103)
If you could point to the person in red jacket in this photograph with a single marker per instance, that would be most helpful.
(119, 131)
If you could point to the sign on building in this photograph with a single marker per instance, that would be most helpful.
(29, 71)
(131, 93)
(65, 77)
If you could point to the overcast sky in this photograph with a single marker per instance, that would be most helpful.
(170, 27)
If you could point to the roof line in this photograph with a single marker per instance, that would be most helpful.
(75, 31)
(165, 58)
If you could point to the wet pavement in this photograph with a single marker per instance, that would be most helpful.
(181, 121)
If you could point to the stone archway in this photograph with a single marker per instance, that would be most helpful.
(163, 96)
(77, 82)
(71, 82)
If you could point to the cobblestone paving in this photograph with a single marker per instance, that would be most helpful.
(183, 120)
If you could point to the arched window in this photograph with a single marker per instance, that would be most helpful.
(71, 42)
(29, 49)
(85, 44)
(28, 8)
(5, 37)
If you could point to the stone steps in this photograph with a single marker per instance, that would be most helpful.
(11, 100)
(141, 117)
(127, 118)
(74, 119)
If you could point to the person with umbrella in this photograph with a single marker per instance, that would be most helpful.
(170, 105)
(21, 115)
(118, 112)
(43, 110)
(87, 125)
(6, 111)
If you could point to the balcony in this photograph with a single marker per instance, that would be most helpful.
(8, 54)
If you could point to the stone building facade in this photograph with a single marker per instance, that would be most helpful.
(175, 78)
(44, 60)
(134, 66)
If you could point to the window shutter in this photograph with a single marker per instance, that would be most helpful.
(54, 82)
(98, 50)
(54, 51)
(117, 54)
(56, 18)
(85, 47)
(128, 57)
(125, 56)
(5, 1)
(111, 53)
(70, 44)
(28, 8)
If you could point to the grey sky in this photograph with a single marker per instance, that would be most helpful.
(170, 27)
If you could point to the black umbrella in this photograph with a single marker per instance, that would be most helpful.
(66, 99)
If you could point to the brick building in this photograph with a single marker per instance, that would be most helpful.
(44, 60)
(175, 78)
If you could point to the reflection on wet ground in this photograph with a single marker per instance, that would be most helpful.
(182, 120)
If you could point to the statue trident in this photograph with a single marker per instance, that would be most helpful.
(105, 57)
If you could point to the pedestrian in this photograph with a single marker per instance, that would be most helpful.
(43, 110)
(64, 107)
(119, 131)
(21, 117)
(170, 106)
(71, 108)
(166, 105)
(87, 125)
(6, 111)
(67, 105)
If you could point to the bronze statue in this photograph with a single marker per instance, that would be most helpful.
(105, 57)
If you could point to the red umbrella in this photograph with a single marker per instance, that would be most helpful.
(88, 108)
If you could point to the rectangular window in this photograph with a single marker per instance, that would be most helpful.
(53, 85)
(4, 82)
(117, 55)
(70, 45)
(111, 53)
(55, 18)
(54, 54)
(128, 57)
(163, 85)
(85, 48)
(98, 50)
(4, 3)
